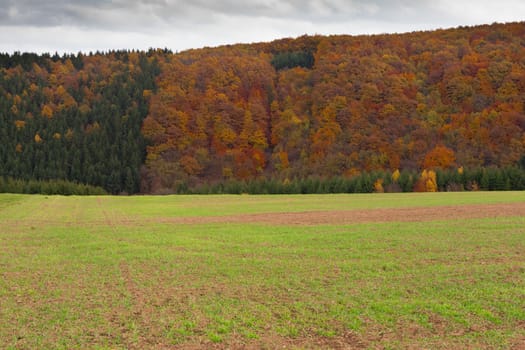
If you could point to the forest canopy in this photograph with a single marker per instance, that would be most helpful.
(313, 108)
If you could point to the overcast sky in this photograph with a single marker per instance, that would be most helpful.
(90, 25)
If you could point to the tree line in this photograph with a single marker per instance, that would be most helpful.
(451, 180)
(48, 187)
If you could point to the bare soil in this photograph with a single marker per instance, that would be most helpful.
(306, 218)
(417, 214)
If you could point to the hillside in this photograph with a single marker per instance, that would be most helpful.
(290, 109)
(75, 117)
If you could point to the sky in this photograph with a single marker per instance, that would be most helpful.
(90, 25)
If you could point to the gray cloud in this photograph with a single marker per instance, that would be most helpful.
(116, 13)
(183, 24)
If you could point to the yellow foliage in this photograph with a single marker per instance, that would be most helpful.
(427, 182)
(92, 127)
(421, 107)
(432, 175)
(69, 134)
(258, 139)
(378, 186)
(84, 108)
(17, 100)
(33, 88)
(47, 111)
(431, 186)
(388, 110)
(39, 72)
(460, 170)
(395, 175)
(227, 135)
(20, 124)
(67, 102)
(57, 136)
(52, 79)
(38, 139)
(227, 172)
(147, 94)
(61, 91)
(429, 178)
(283, 157)
(18, 148)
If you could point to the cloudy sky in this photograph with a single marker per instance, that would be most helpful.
(90, 25)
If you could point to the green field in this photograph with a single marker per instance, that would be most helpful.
(121, 273)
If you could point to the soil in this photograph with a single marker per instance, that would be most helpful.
(417, 214)
(306, 218)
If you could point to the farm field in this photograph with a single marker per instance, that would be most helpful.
(394, 271)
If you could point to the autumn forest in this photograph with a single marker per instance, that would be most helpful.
(423, 111)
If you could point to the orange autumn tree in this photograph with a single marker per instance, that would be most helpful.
(439, 157)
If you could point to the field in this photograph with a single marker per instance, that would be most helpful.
(386, 271)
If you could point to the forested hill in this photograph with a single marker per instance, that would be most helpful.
(312, 107)
(75, 117)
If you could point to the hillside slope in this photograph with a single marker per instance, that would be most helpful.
(75, 117)
(311, 107)
(339, 105)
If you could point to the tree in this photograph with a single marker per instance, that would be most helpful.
(439, 157)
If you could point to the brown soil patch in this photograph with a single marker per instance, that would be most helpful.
(346, 341)
(306, 218)
(416, 214)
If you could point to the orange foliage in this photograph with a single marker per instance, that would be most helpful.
(283, 160)
(384, 102)
(395, 175)
(190, 165)
(20, 124)
(439, 157)
(47, 111)
(378, 186)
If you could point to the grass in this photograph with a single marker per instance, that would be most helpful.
(99, 272)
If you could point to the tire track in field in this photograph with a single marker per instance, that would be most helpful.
(145, 332)
(106, 217)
